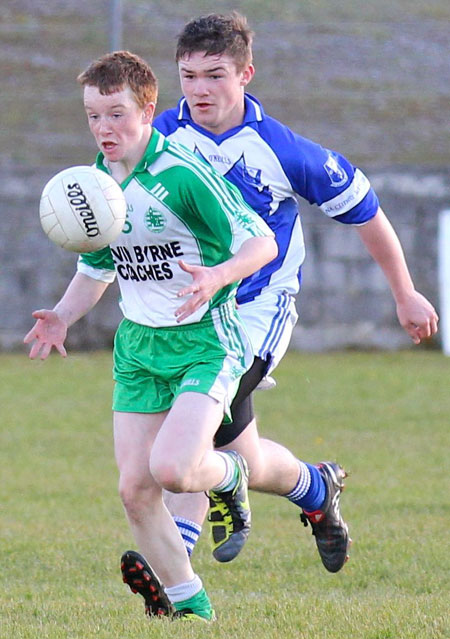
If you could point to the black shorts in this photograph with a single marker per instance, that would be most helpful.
(242, 406)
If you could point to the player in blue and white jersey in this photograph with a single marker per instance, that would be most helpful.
(272, 165)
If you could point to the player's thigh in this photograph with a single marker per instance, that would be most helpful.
(187, 431)
(134, 435)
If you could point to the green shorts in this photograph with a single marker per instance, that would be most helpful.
(152, 366)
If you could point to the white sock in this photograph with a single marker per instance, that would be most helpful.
(181, 592)
(228, 481)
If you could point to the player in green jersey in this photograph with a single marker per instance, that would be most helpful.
(180, 350)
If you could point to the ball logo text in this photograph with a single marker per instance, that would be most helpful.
(79, 203)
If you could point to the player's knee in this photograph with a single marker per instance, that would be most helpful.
(170, 475)
(135, 494)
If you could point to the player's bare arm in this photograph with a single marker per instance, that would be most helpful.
(50, 330)
(415, 313)
(253, 254)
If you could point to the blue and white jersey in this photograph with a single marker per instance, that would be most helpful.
(271, 165)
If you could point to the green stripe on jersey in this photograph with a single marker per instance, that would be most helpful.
(178, 207)
(232, 200)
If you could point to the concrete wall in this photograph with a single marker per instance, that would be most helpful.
(345, 301)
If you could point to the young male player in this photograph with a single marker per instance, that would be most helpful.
(180, 350)
(271, 165)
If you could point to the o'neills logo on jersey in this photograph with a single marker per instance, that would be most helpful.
(154, 220)
(80, 205)
(219, 159)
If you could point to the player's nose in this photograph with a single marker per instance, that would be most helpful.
(104, 125)
(200, 88)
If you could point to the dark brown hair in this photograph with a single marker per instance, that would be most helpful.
(216, 34)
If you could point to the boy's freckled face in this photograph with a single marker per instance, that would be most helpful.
(116, 121)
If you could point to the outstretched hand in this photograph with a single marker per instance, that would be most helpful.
(206, 281)
(418, 317)
(48, 332)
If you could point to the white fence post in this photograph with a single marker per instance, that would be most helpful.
(444, 278)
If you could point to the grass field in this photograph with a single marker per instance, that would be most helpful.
(384, 416)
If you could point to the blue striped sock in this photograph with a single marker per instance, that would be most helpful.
(190, 532)
(310, 491)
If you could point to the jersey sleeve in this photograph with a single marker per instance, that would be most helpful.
(339, 189)
(99, 265)
(322, 176)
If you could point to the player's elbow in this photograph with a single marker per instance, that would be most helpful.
(269, 249)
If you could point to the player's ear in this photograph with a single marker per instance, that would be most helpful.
(148, 113)
(247, 75)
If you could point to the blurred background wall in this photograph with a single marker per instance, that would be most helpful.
(371, 80)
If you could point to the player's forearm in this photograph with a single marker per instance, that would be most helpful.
(254, 253)
(81, 295)
(384, 246)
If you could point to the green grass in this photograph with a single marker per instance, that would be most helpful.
(384, 416)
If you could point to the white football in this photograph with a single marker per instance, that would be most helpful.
(82, 209)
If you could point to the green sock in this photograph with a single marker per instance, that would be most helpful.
(199, 604)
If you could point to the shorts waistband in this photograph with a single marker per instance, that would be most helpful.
(206, 320)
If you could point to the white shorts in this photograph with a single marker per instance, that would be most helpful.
(269, 321)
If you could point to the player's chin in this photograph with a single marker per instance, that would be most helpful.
(204, 116)
(111, 153)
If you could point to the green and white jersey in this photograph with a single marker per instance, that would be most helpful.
(178, 207)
